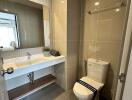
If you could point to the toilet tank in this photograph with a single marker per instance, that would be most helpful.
(97, 70)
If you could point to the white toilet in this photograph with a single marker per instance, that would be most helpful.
(96, 76)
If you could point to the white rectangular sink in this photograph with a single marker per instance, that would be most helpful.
(21, 62)
(23, 65)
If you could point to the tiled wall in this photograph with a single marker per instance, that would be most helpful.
(73, 31)
(59, 21)
(66, 21)
(102, 38)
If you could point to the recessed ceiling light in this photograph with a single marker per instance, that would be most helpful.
(97, 3)
(117, 10)
(62, 1)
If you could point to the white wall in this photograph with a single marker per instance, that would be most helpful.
(128, 85)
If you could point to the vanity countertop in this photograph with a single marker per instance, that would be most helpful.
(23, 65)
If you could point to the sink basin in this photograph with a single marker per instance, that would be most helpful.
(30, 62)
(39, 60)
(23, 63)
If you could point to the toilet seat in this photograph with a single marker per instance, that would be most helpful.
(83, 92)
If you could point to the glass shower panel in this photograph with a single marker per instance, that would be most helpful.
(104, 22)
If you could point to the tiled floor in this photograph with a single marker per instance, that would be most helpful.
(52, 92)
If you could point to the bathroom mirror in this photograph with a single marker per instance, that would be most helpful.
(8, 31)
(23, 24)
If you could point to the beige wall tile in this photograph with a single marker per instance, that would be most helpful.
(66, 19)
(59, 21)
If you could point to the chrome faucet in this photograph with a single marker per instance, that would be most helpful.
(29, 55)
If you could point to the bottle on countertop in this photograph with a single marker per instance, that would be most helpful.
(46, 52)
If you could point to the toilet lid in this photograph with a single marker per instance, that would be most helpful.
(84, 92)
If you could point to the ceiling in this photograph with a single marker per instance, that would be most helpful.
(28, 3)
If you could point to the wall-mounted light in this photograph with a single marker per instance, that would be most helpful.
(97, 3)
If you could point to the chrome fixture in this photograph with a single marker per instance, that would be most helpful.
(122, 77)
(122, 4)
(31, 77)
(8, 71)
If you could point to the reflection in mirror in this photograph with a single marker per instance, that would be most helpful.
(8, 31)
(29, 31)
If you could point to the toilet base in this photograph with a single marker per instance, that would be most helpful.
(96, 98)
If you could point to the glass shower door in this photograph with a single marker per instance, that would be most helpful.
(103, 36)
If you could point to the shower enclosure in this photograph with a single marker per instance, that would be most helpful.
(103, 32)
